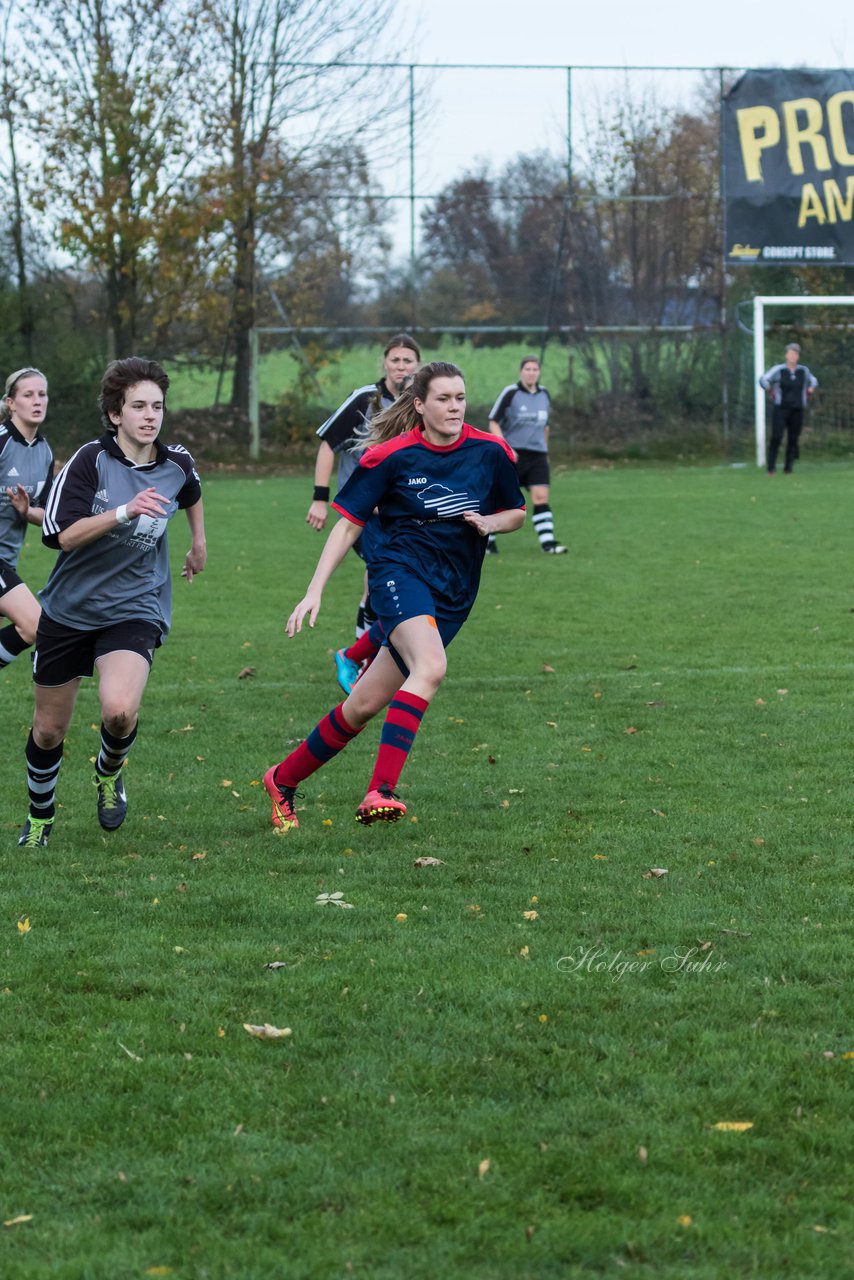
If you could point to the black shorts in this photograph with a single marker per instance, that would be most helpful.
(63, 653)
(8, 577)
(532, 467)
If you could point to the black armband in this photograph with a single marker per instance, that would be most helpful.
(321, 493)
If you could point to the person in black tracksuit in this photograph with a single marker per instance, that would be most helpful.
(790, 386)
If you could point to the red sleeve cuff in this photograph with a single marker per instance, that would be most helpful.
(348, 515)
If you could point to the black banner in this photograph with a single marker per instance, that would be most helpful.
(788, 157)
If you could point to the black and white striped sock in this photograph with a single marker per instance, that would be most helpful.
(11, 644)
(42, 772)
(114, 751)
(544, 525)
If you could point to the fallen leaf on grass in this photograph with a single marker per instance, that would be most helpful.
(197, 857)
(24, 925)
(16, 1222)
(547, 670)
(846, 1055)
(277, 964)
(552, 724)
(737, 933)
(655, 873)
(332, 900)
(226, 782)
(267, 1031)
(246, 673)
(643, 1155)
(401, 916)
(530, 915)
(685, 1220)
(733, 1126)
(158, 1271)
(659, 813)
(630, 729)
(483, 1168)
(428, 862)
(128, 1052)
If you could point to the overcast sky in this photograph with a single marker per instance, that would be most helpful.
(488, 116)
(738, 33)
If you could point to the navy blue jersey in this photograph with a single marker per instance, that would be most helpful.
(123, 575)
(420, 491)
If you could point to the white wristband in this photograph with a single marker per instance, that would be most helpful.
(122, 514)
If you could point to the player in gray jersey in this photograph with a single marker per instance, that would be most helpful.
(26, 468)
(108, 600)
(520, 415)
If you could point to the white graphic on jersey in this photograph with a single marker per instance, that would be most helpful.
(14, 472)
(102, 496)
(148, 530)
(444, 503)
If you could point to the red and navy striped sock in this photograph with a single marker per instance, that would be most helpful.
(368, 645)
(402, 721)
(331, 736)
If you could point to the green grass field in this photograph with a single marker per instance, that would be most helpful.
(488, 370)
(470, 1090)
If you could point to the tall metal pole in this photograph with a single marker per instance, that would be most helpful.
(412, 289)
(722, 313)
(254, 407)
(759, 366)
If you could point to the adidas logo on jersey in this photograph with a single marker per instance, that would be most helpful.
(13, 472)
(102, 496)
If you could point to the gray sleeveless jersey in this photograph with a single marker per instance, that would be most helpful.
(26, 463)
(523, 417)
(125, 574)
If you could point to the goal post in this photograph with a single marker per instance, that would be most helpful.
(759, 304)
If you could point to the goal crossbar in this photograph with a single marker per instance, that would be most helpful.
(759, 304)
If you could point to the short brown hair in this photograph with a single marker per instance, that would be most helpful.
(122, 374)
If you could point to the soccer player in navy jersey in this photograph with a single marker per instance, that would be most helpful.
(439, 488)
(26, 467)
(108, 600)
(340, 436)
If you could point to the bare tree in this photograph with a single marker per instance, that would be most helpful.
(279, 95)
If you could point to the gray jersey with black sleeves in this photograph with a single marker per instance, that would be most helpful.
(28, 463)
(523, 417)
(343, 429)
(123, 575)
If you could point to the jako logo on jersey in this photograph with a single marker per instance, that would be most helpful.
(443, 502)
(417, 480)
